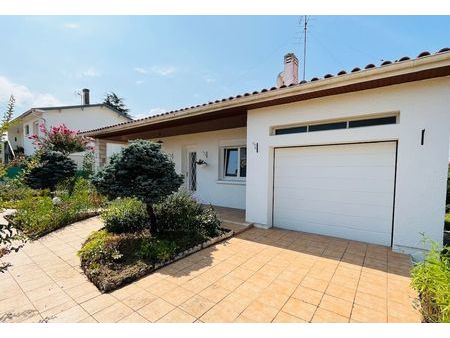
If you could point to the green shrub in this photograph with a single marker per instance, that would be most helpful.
(53, 167)
(181, 213)
(125, 215)
(38, 215)
(157, 250)
(100, 247)
(140, 170)
(12, 191)
(431, 279)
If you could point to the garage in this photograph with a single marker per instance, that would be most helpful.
(344, 190)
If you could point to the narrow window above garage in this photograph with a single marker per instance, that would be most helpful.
(307, 128)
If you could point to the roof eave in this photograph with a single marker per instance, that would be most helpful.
(390, 70)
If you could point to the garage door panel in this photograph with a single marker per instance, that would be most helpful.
(318, 194)
(369, 185)
(341, 190)
(337, 207)
(344, 172)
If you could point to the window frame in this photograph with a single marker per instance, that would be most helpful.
(27, 129)
(223, 163)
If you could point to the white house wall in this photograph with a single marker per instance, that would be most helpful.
(84, 118)
(209, 188)
(421, 169)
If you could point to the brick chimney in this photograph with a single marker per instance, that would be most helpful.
(85, 96)
(290, 73)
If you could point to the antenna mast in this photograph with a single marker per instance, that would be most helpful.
(305, 30)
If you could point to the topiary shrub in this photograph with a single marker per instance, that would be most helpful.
(53, 167)
(125, 215)
(181, 213)
(140, 170)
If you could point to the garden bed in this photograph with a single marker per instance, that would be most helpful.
(129, 265)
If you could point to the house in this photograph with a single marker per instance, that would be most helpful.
(360, 155)
(76, 117)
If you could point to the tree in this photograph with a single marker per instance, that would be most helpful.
(116, 102)
(7, 116)
(52, 168)
(140, 170)
(10, 239)
(61, 139)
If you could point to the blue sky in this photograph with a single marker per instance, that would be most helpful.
(167, 62)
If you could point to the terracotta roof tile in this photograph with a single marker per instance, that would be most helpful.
(327, 76)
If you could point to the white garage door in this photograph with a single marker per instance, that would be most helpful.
(344, 191)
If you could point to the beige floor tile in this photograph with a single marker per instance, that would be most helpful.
(364, 314)
(229, 282)
(138, 299)
(219, 314)
(214, 293)
(299, 309)
(283, 317)
(340, 291)
(314, 283)
(259, 312)
(336, 305)
(177, 296)
(324, 316)
(197, 306)
(98, 303)
(156, 310)
(113, 314)
(177, 316)
(308, 295)
(72, 315)
(370, 301)
(133, 318)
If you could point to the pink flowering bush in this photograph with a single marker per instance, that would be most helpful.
(62, 139)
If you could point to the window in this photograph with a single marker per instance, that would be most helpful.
(328, 126)
(36, 127)
(372, 122)
(377, 121)
(234, 163)
(293, 130)
(27, 129)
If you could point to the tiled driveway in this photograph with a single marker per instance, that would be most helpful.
(259, 276)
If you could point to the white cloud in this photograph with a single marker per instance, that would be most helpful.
(164, 71)
(141, 70)
(139, 82)
(71, 26)
(153, 111)
(90, 72)
(209, 79)
(24, 96)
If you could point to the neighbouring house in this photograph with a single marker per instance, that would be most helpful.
(75, 117)
(360, 155)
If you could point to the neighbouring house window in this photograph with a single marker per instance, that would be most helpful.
(27, 129)
(234, 163)
(36, 127)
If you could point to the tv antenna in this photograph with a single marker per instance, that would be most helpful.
(304, 22)
(78, 93)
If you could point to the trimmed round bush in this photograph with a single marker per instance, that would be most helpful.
(181, 213)
(125, 215)
(53, 168)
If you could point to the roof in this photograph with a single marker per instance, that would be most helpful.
(425, 65)
(29, 111)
